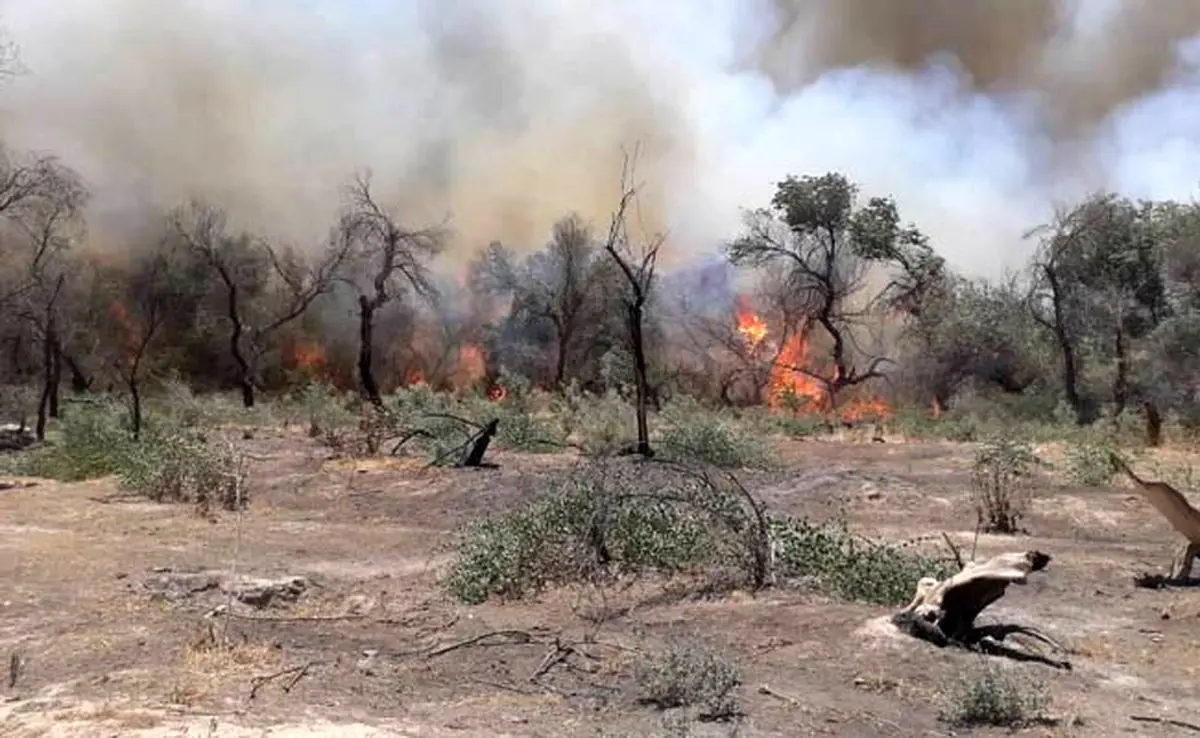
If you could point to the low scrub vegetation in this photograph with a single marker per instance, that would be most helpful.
(168, 462)
(619, 518)
(691, 676)
(987, 694)
(1001, 483)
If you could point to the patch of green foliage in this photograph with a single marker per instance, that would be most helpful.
(988, 695)
(830, 557)
(692, 676)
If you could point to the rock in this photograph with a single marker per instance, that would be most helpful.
(257, 592)
(262, 593)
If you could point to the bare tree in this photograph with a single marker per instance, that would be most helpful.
(394, 260)
(44, 203)
(146, 302)
(246, 267)
(636, 263)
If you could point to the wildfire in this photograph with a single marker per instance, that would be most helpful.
(120, 315)
(414, 377)
(794, 378)
(936, 408)
(308, 357)
(497, 393)
(472, 365)
(752, 327)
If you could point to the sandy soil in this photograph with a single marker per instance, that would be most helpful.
(103, 656)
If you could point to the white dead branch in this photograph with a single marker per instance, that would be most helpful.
(944, 612)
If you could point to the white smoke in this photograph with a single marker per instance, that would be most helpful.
(507, 115)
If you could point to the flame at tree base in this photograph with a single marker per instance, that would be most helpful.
(794, 382)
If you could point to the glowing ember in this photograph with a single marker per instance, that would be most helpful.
(414, 377)
(497, 393)
(308, 357)
(936, 407)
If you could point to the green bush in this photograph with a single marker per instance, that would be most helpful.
(689, 675)
(833, 559)
(168, 463)
(988, 695)
(175, 465)
(92, 441)
(1088, 464)
(1001, 483)
(694, 433)
(613, 516)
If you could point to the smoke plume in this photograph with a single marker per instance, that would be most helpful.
(974, 114)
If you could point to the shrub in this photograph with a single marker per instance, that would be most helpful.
(689, 675)
(610, 516)
(1000, 484)
(177, 466)
(831, 558)
(93, 441)
(988, 695)
(697, 435)
(1088, 464)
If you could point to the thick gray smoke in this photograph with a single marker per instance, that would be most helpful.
(973, 113)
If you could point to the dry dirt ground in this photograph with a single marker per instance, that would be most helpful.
(103, 656)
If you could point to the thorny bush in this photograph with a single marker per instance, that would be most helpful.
(1001, 483)
(689, 675)
(623, 517)
(987, 694)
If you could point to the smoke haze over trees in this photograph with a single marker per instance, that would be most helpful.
(1048, 147)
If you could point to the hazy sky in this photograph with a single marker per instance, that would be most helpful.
(508, 114)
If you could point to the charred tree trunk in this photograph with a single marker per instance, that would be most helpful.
(236, 330)
(1121, 381)
(1084, 414)
(80, 382)
(642, 384)
(56, 376)
(366, 340)
(135, 405)
(43, 410)
(1153, 424)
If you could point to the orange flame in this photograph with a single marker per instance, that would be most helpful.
(308, 357)
(497, 393)
(752, 327)
(414, 377)
(795, 379)
(936, 407)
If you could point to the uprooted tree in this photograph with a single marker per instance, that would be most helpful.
(391, 260)
(265, 288)
(944, 612)
(818, 233)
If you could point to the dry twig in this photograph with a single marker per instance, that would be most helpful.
(294, 674)
(1165, 721)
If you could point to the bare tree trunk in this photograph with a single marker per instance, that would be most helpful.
(366, 340)
(80, 382)
(1153, 424)
(47, 381)
(1070, 362)
(55, 375)
(641, 383)
(560, 364)
(135, 399)
(1121, 381)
